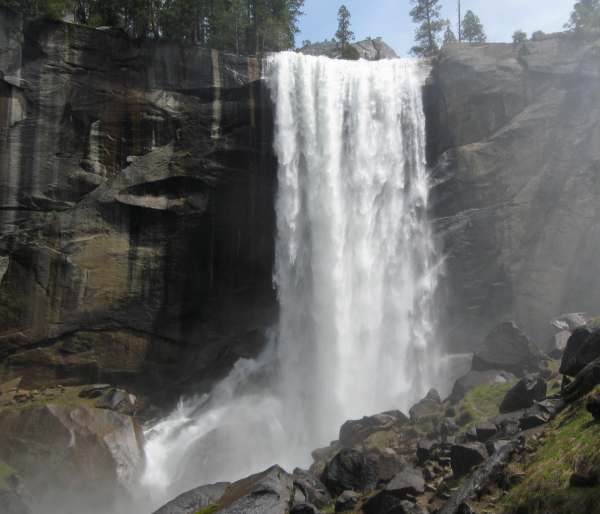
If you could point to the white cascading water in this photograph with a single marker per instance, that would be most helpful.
(355, 276)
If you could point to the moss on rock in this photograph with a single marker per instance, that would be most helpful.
(481, 403)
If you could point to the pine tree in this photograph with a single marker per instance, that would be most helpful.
(519, 37)
(241, 26)
(344, 35)
(449, 36)
(427, 14)
(585, 17)
(473, 29)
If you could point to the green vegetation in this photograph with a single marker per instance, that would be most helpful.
(519, 36)
(236, 25)
(330, 509)
(427, 14)
(595, 323)
(585, 17)
(472, 29)
(208, 509)
(449, 36)
(481, 403)
(344, 35)
(572, 445)
(68, 396)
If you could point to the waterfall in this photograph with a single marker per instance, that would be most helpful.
(355, 276)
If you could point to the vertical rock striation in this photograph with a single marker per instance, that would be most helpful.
(136, 208)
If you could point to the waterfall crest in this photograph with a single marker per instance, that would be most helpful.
(355, 276)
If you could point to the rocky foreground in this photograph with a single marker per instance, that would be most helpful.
(520, 433)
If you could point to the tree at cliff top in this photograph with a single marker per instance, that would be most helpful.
(519, 37)
(449, 36)
(344, 35)
(427, 14)
(243, 26)
(585, 17)
(472, 29)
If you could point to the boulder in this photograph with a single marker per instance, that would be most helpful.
(67, 452)
(269, 492)
(304, 508)
(350, 470)
(354, 432)
(408, 483)
(312, 488)
(560, 343)
(593, 406)
(475, 379)
(383, 503)
(570, 322)
(480, 480)
(465, 457)
(533, 417)
(431, 405)
(582, 348)
(425, 450)
(523, 394)
(583, 480)
(464, 508)
(508, 348)
(346, 501)
(496, 446)
(195, 500)
(484, 432)
(118, 400)
(583, 383)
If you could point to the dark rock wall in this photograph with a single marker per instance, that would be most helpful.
(136, 209)
(515, 140)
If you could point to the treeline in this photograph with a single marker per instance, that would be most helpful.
(241, 26)
(433, 31)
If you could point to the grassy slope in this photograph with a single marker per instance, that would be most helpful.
(572, 444)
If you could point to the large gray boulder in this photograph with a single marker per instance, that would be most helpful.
(65, 452)
(192, 501)
(466, 456)
(269, 492)
(507, 348)
(354, 432)
(351, 470)
(313, 490)
(368, 49)
(524, 393)
(582, 348)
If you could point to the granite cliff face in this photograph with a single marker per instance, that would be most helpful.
(514, 135)
(137, 186)
(136, 209)
(368, 49)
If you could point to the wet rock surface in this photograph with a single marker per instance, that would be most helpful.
(488, 107)
(136, 210)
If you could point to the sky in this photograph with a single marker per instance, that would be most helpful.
(390, 19)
